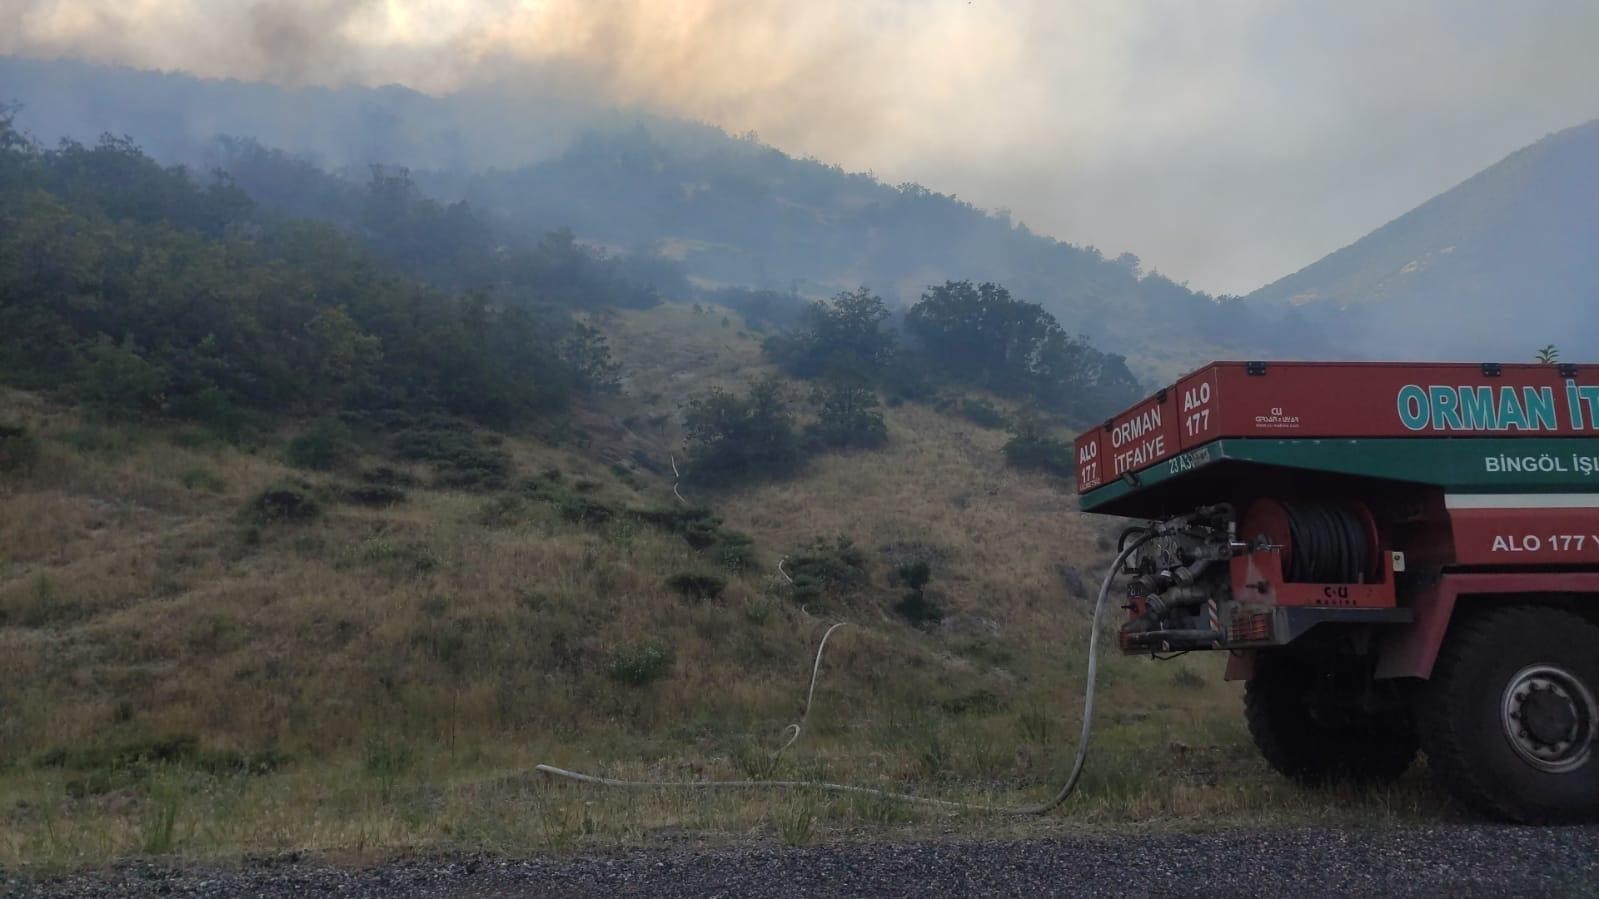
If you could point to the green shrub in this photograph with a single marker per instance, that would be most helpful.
(119, 382)
(286, 504)
(982, 413)
(18, 449)
(573, 506)
(739, 438)
(978, 702)
(457, 458)
(1032, 446)
(915, 606)
(97, 439)
(642, 663)
(387, 476)
(377, 496)
(417, 557)
(201, 478)
(325, 445)
(39, 605)
(735, 551)
(847, 417)
(698, 526)
(827, 568)
(696, 585)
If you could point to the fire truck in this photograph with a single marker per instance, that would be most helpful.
(1398, 559)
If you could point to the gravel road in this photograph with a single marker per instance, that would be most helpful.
(1453, 860)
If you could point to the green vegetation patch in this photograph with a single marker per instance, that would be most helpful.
(18, 449)
(641, 663)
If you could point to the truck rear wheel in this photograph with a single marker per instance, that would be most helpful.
(1510, 718)
(1315, 732)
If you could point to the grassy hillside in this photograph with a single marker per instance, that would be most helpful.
(185, 667)
(1496, 267)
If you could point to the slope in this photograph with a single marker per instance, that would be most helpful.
(1496, 267)
(185, 672)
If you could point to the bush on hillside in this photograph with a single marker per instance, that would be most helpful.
(458, 459)
(696, 585)
(981, 335)
(835, 568)
(637, 664)
(325, 445)
(847, 417)
(982, 413)
(1032, 446)
(844, 337)
(18, 449)
(732, 439)
(915, 606)
(285, 503)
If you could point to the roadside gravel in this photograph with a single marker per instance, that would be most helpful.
(1444, 860)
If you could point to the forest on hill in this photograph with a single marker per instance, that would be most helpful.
(143, 291)
(731, 211)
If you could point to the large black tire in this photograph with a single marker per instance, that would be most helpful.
(1315, 740)
(1487, 745)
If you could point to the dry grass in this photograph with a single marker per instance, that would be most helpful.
(175, 677)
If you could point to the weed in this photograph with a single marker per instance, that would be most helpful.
(159, 829)
(915, 606)
(457, 458)
(982, 413)
(1033, 725)
(416, 557)
(92, 439)
(385, 759)
(18, 449)
(1187, 678)
(988, 652)
(325, 445)
(978, 702)
(376, 496)
(757, 611)
(797, 824)
(388, 476)
(193, 437)
(625, 475)
(696, 585)
(641, 663)
(286, 503)
(827, 568)
(569, 502)
(201, 478)
(37, 605)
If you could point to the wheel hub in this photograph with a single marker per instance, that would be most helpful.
(1550, 718)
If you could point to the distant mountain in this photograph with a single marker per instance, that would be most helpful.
(732, 211)
(1495, 268)
(739, 212)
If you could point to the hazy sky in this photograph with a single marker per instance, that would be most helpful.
(1227, 142)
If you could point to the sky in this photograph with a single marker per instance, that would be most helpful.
(1227, 143)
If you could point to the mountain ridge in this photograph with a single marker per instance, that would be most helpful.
(1509, 247)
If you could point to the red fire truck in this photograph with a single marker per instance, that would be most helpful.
(1397, 558)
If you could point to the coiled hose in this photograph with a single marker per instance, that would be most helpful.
(1329, 544)
(1039, 809)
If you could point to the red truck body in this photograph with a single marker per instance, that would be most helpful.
(1356, 522)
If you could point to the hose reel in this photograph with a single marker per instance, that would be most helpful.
(1322, 542)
